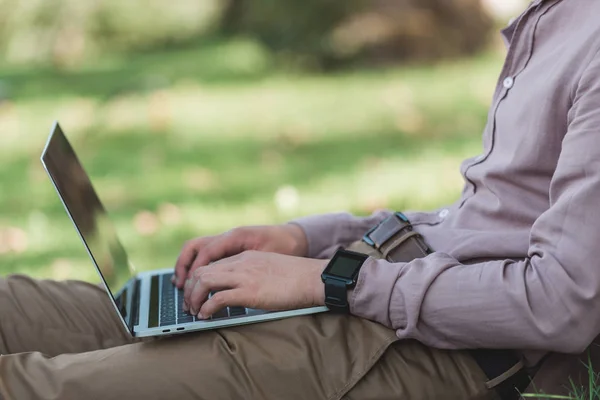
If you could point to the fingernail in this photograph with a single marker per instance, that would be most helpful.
(200, 316)
(188, 283)
(193, 312)
(185, 307)
(173, 279)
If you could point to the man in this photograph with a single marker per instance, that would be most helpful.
(515, 266)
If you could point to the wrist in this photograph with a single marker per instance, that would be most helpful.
(317, 286)
(299, 242)
(340, 276)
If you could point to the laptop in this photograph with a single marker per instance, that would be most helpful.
(146, 302)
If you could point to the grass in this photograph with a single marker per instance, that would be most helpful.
(195, 141)
(576, 391)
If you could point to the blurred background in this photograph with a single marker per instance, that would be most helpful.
(193, 117)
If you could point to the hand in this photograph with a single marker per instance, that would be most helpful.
(283, 239)
(255, 279)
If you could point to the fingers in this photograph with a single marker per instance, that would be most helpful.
(201, 252)
(208, 280)
(225, 265)
(186, 257)
(228, 244)
(220, 300)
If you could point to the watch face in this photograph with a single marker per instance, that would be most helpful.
(345, 265)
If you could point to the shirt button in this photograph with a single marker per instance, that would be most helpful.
(444, 213)
(508, 82)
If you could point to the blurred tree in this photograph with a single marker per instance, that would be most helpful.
(308, 33)
(145, 23)
(66, 31)
(327, 33)
(297, 30)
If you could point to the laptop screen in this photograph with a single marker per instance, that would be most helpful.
(91, 221)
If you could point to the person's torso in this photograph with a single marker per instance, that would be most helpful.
(507, 187)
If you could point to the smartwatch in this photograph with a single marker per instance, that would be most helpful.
(340, 275)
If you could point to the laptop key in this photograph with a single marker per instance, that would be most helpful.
(222, 313)
(237, 311)
(168, 312)
(184, 318)
(167, 318)
(167, 322)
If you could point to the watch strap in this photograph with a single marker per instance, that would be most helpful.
(336, 295)
(395, 239)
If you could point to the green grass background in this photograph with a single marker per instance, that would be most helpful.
(195, 141)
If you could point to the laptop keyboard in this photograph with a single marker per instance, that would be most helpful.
(171, 306)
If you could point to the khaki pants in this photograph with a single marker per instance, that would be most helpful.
(62, 340)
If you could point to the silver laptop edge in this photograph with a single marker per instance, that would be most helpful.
(125, 292)
(56, 127)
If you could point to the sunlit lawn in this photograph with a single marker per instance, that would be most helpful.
(196, 141)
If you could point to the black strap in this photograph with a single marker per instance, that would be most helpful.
(396, 240)
(494, 363)
(387, 229)
(336, 296)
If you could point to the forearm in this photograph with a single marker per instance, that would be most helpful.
(530, 304)
(326, 232)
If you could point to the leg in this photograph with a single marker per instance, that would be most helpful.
(419, 372)
(56, 317)
(322, 356)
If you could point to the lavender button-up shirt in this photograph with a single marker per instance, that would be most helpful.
(517, 257)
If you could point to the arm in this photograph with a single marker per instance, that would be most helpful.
(315, 236)
(549, 301)
(326, 232)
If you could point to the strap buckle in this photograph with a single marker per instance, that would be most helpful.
(403, 224)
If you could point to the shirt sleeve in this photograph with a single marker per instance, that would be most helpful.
(549, 301)
(326, 232)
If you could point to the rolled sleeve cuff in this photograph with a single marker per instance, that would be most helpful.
(374, 297)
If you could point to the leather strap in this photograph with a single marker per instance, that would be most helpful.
(505, 371)
(395, 239)
(336, 296)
